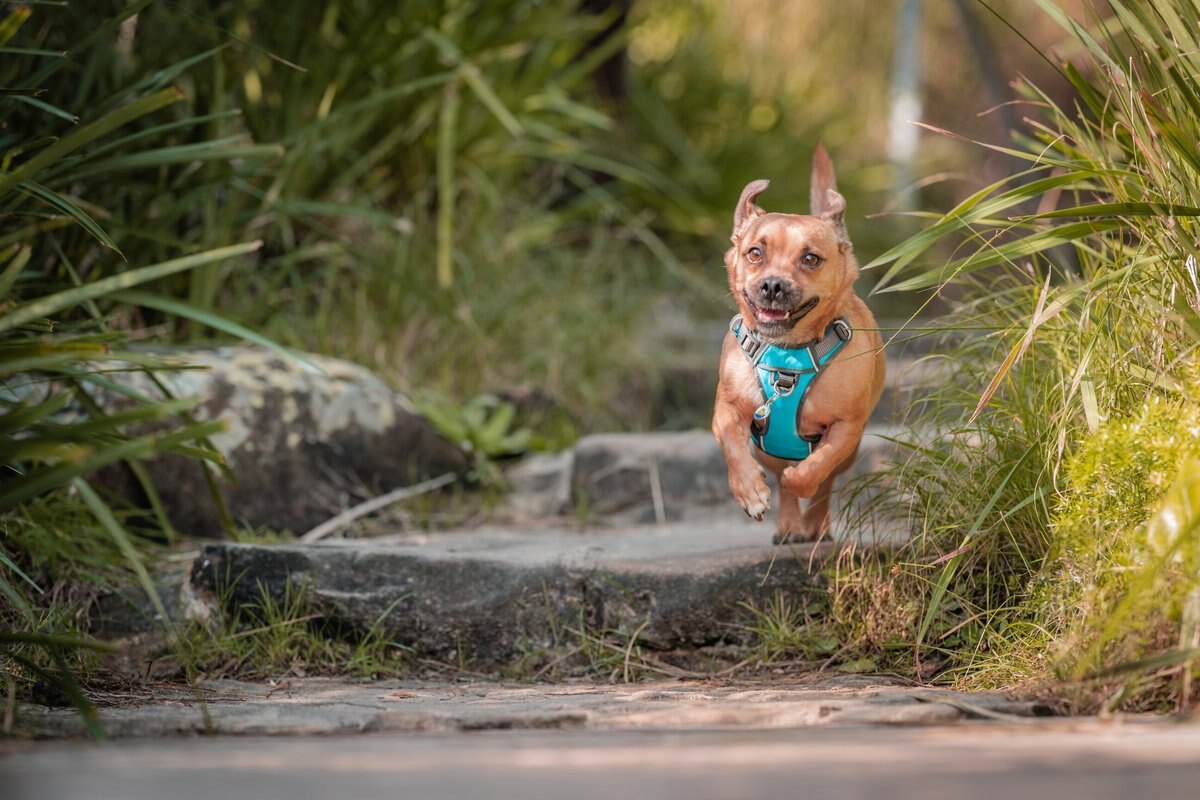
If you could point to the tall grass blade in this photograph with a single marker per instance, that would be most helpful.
(199, 152)
(1123, 209)
(183, 310)
(17, 263)
(121, 538)
(471, 76)
(48, 306)
(88, 134)
(64, 681)
(1147, 665)
(446, 148)
(71, 210)
(37, 481)
(948, 572)
(8, 562)
(12, 23)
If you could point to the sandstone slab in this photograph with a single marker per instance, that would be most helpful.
(488, 594)
(303, 440)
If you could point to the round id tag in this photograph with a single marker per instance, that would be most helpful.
(761, 414)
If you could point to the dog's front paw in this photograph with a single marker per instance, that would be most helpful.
(800, 481)
(752, 495)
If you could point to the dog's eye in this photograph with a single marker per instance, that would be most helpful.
(811, 260)
(754, 255)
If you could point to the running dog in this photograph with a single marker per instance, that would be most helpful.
(802, 367)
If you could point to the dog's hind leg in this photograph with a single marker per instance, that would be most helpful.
(817, 519)
(788, 523)
(812, 524)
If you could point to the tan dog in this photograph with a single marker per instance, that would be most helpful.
(791, 277)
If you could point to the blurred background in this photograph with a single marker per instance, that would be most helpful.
(473, 197)
(516, 213)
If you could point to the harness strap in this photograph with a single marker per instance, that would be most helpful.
(754, 346)
(785, 379)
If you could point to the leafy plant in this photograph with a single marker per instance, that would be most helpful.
(1075, 297)
(1123, 580)
(70, 265)
(484, 427)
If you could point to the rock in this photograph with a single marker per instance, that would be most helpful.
(642, 477)
(540, 485)
(303, 442)
(487, 595)
(612, 478)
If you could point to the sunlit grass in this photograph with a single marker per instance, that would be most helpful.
(1075, 290)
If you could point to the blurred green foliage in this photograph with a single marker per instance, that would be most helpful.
(450, 184)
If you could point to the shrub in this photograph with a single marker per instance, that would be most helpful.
(1074, 285)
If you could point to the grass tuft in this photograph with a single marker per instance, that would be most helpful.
(277, 637)
(1047, 474)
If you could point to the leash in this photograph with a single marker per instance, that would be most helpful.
(786, 373)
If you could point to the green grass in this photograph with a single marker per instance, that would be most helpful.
(1055, 439)
(788, 630)
(277, 637)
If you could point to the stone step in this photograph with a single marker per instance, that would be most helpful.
(631, 535)
(489, 596)
(323, 707)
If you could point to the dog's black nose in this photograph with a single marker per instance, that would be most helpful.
(772, 288)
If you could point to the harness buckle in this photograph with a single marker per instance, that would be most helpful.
(843, 329)
(753, 347)
(783, 383)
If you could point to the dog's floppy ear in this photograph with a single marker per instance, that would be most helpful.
(824, 199)
(747, 209)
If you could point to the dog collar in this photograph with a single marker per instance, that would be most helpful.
(786, 373)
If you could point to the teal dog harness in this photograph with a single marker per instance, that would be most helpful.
(786, 374)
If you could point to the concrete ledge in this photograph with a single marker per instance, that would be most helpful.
(487, 595)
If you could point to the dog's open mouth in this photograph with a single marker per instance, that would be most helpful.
(777, 316)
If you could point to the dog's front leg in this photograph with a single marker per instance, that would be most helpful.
(731, 427)
(838, 445)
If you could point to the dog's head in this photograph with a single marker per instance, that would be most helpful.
(790, 274)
